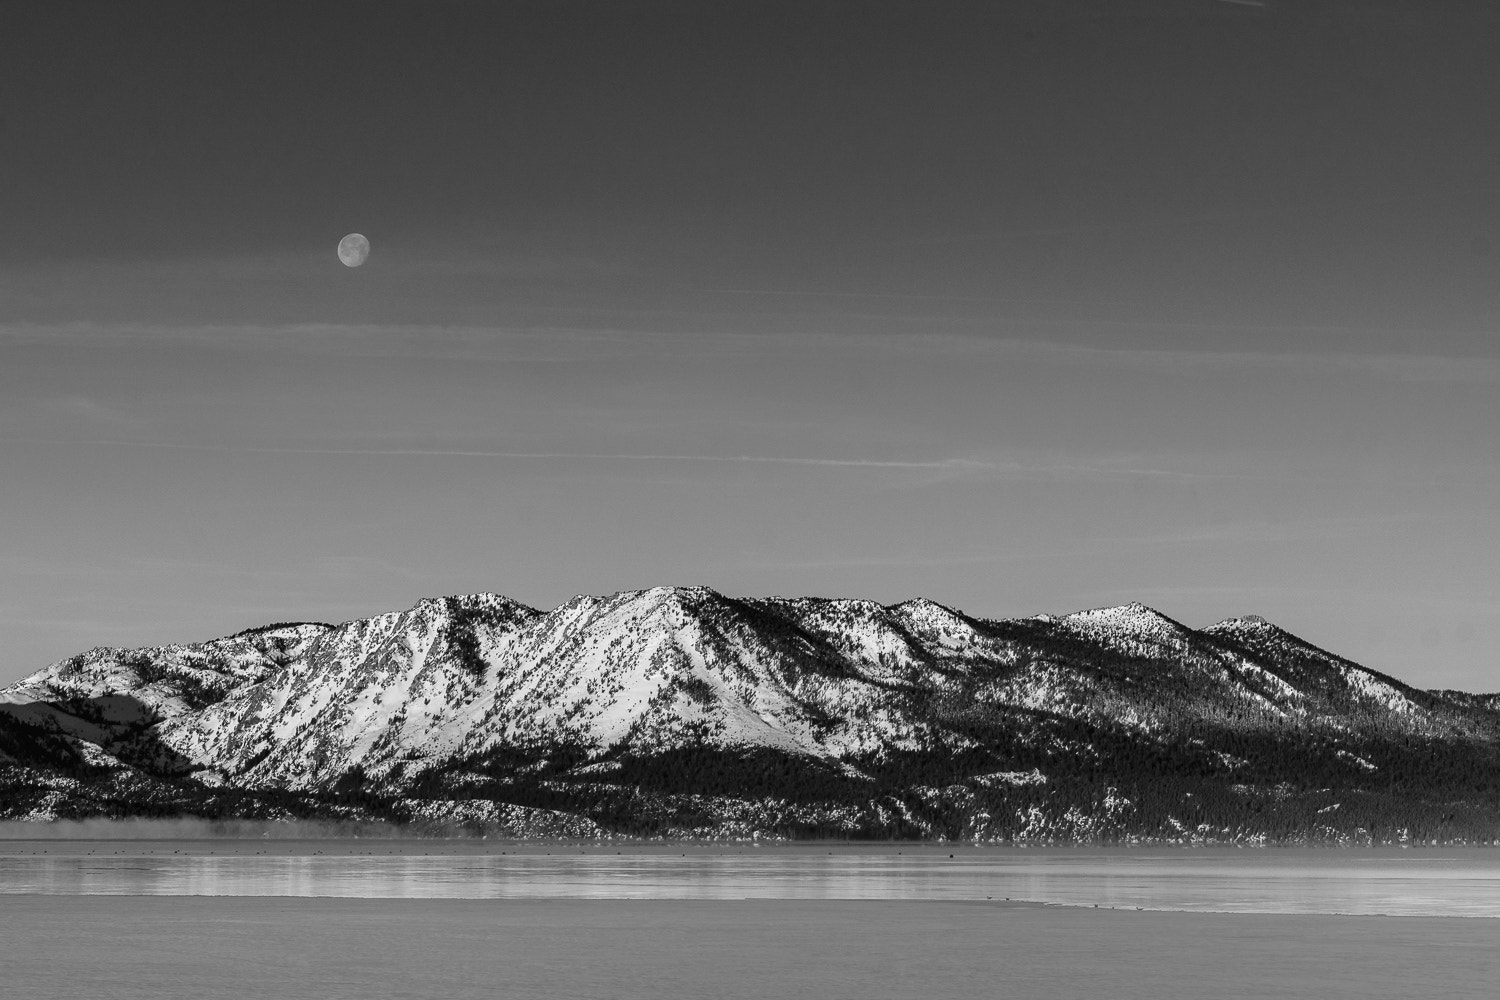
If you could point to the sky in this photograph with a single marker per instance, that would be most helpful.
(1022, 307)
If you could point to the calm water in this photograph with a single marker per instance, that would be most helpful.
(252, 947)
(217, 920)
(1410, 883)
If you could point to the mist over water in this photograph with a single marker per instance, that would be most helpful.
(1433, 882)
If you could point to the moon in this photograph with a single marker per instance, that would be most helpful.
(353, 249)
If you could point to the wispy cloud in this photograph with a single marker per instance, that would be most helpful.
(1228, 533)
(354, 340)
(952, 466)
(1351, 353)
(875, 562)
(1320, 204)
(1352, 359)
(948, 464)
(1396, 367)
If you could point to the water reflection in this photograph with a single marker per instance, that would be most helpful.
(1459, 883)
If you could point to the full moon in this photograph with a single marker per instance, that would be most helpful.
(353, 249)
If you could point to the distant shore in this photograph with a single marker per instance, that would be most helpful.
(429, 839)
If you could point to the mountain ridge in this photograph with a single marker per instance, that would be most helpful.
(680, 711)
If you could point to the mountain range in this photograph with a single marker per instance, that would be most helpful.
(686, 713)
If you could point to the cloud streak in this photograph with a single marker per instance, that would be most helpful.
(947, 464)
(591, 347)
(1237, 533)
(953, 466)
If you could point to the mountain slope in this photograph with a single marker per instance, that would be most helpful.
(682, 711)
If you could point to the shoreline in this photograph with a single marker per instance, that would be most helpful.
(354, 844)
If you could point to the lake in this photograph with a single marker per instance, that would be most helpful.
(458, 919)
(1423, 882)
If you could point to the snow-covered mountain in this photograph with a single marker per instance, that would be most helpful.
(681, 711)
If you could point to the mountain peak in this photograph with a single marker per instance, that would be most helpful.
(1134, 609)
(1134, 616)
(1244, 625)
(681, 710)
